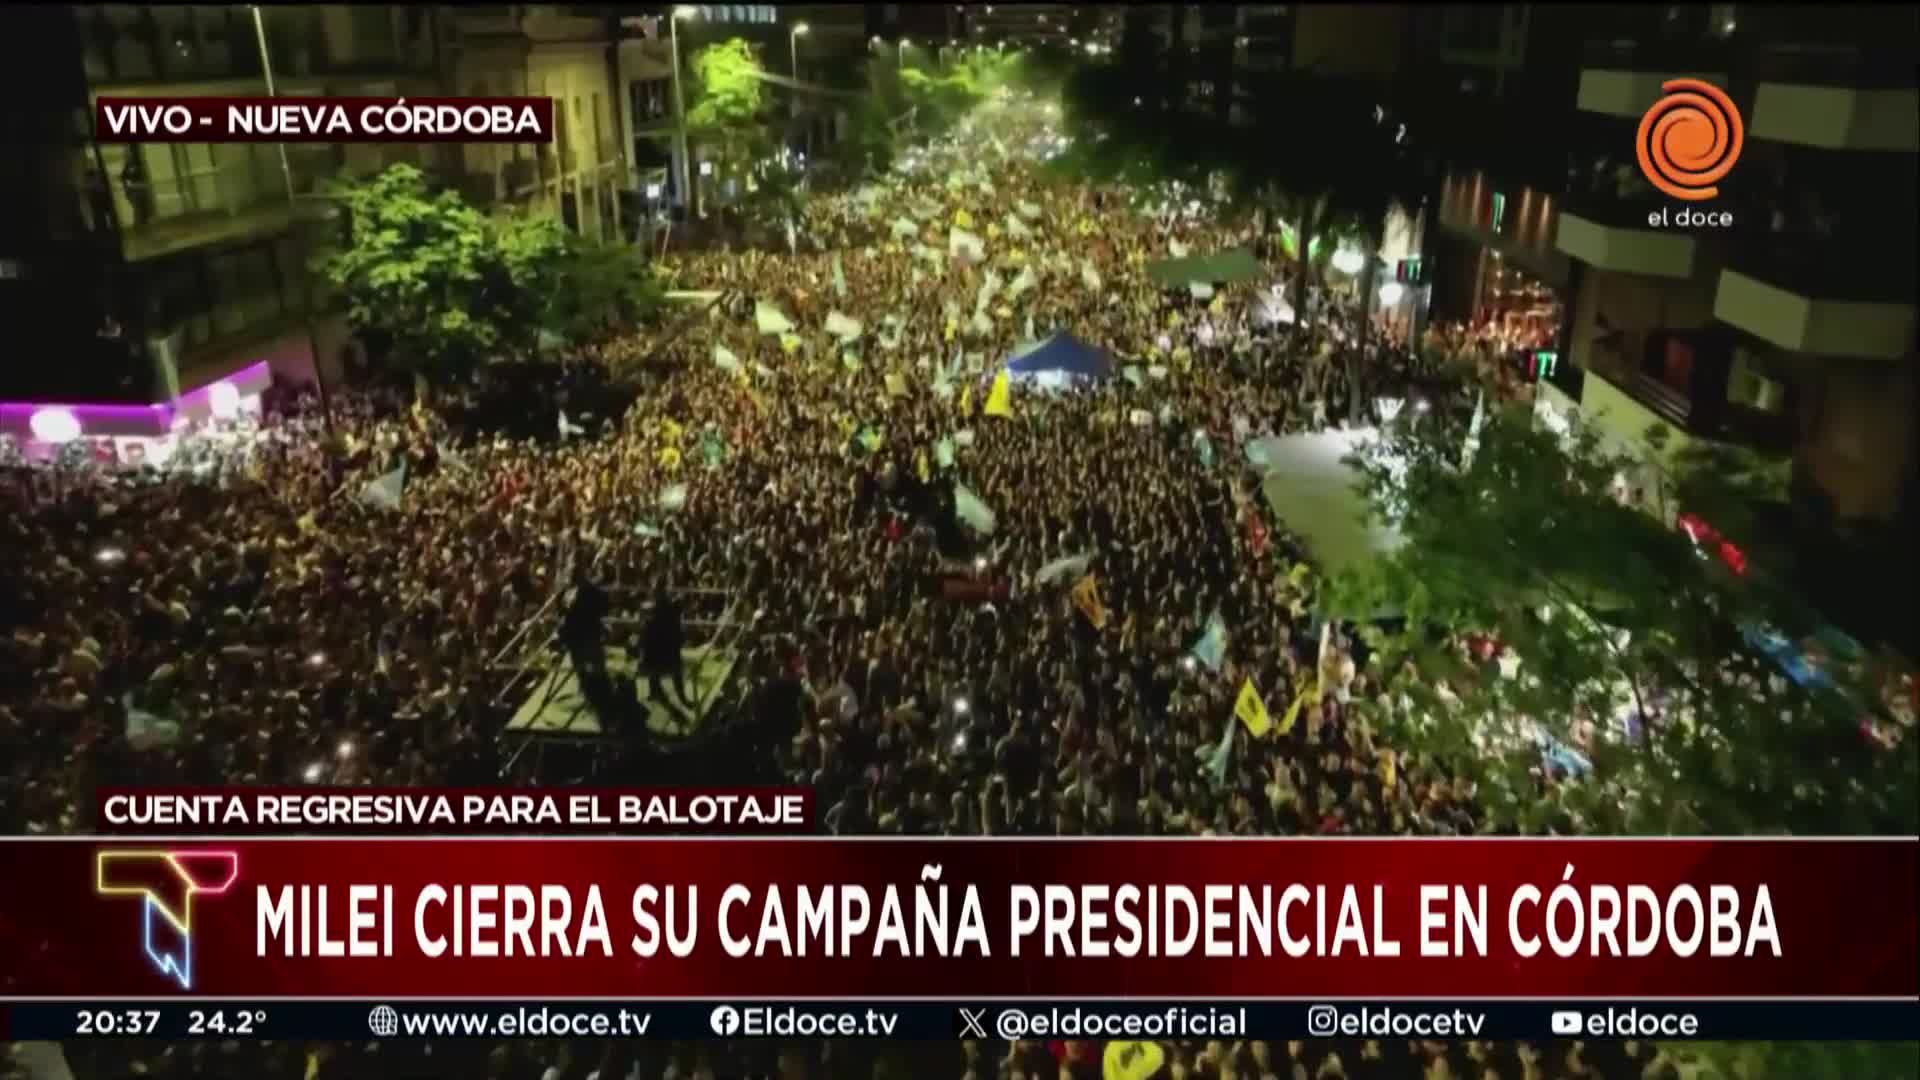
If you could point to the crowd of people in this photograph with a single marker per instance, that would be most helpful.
(927, 669)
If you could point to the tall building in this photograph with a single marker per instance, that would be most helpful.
(570, 54)
(1785, 326)
(195, 254)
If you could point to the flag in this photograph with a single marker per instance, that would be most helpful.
(840, 326)
(963, 219)
(966, 245)
(1177, 249)
(869, 439)
(1389, 769)
(1021, 283)
(943, 453)
(1089, 276)
(1132, 1061)
(1221, 757)
(1086, 597)
(1029, 210)
(647, 529)
(1293, 713)
(1203, 446)
(1252, 711)
(1059, 568)
(839, 277)
(966, 400)
(1017, 229)
(384, 492)
(147, 730)
(1134, 375)
(789, 343)
(920, 466)
(1211, 649)
(449, 456)
(770, 319)
(1326, 646)
(674, 497)
(905, 228)
(1000, 398)
(896, 384)
(724, 359)
(968, 508)
(1200, 290)
(713, 446)
(1473, 430)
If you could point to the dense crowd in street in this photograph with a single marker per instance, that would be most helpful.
(926, 673)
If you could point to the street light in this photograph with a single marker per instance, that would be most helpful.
(901, 58)
(683, 11)
(293, 211)
(793, 46)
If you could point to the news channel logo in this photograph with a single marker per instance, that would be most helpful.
(1690, 139)
(725, 1020)
(166, 883)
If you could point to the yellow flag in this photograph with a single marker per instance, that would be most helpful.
(1293, 713)
(1389, 769)
(1086, 596)
(1219, 305)
(963, 219)
(789, 342)
(966, 400)
(921, 467)
(1132, 1061)
(1252, 711)
(993, 232)
(1000, 398)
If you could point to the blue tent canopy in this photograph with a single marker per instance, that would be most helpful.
(1066, 354)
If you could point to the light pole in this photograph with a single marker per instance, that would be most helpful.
(900, 60)
(684, 11)
(793, 52)
(293, 212)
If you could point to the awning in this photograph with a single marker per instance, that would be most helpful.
(1237, 264)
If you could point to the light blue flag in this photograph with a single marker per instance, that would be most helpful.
(146, 730)
(1211, 649)
(968, 507)
(383, 493)
(1222, 756)
(943, 453)
(1204, 447)
(1072, 566)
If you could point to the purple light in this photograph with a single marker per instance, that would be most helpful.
(155, 419)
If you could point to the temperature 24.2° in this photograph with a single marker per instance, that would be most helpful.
(240, 1023)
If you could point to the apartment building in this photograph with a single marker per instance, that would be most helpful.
(195, 255)
(567, 53)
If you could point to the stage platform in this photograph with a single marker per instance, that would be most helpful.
(557, 709)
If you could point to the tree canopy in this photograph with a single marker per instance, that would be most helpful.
(1631, 647)
(432, 283)
(601, 289)
(729, 101)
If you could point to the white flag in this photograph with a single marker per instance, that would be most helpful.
(965, 245)
(1089, 276)
(987, 290)
(1473, 430)
(673, 498)
(384, 492)
(839, 278)
(968, 508)
(1072, 566)
(769, 319)
(905, 228)
(724, 359)
(1017, 228)
(1178, 249)
(847, 330)
(1022, 283)
(1029, 211)
(1200, 290)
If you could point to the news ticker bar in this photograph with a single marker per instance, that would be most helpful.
(1826, 1019)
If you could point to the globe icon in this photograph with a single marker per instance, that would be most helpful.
(383, 1021)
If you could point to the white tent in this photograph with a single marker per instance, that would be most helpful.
(1316, 495)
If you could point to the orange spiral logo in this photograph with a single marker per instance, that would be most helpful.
(1690, 139)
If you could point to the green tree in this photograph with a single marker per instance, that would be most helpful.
(729, 110)
(429, 282)
(1609, 612)
(601, 290)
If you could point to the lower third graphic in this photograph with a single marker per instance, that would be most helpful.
(166, 883)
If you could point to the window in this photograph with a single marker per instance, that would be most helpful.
(244, 291)
(1750, 387)
(372, 35)
(177, 302)
(599, 137)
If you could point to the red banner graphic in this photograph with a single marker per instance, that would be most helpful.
(586, 917)
(323, 119)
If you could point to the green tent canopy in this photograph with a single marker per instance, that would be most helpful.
(1237, 264)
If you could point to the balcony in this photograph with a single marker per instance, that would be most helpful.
(1623, 78)
(1609, 232)
(1817, 294)
(1837, 98)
